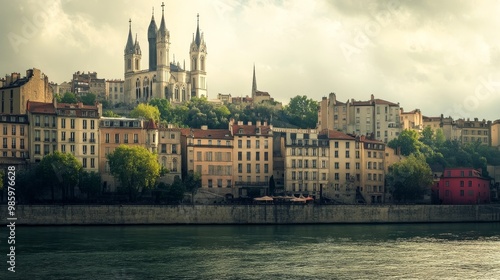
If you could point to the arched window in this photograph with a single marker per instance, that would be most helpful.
(137, 89)
(184, 97)
(129, 64)
(202, 62)
(176, 96)
(174, 165)
(137, 64)
(146, 88)
(193, 64)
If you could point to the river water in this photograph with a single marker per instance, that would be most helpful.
(388, 251)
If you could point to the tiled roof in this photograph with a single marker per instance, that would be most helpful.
(385, 102)
(40, 107)
(75, 106)
(150, 125)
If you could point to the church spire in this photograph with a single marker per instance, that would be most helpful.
(198, 37)
(163, 28)
(129, 48)
(254, 83)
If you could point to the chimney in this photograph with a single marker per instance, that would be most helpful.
(257, 123)
(249, 123)
(372, 97)
(240, 122)
(204, 127)
(265, 123)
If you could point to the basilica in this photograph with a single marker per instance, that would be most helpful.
(163, 78)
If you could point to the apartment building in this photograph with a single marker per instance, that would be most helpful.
(169, 152)
(252, 157)
(449, 127)
(43, 129)
(17, 90)
(15, 140)
(305, 164)
(209, 152)
(412, 120)
(475, 131)
(373, 172)
(114, 132)
(495, 134)
(462, 186)
(375, 116)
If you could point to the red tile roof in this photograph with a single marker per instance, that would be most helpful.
(40, 107)
(150, 125)
(207, 133)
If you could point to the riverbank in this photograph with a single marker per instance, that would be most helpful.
(248, 214)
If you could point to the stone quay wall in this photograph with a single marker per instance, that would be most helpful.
(248, 214)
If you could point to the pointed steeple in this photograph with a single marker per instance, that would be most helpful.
(162, 32)
(137, 48)
(152, 27)
(129, 48)
(197, 40)
(254, 83)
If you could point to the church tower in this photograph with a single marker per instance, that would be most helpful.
(132, 53)
(162, 57)
(198, 56)
(152, 43)
(254, 84)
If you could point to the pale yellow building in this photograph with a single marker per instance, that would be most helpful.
(495, 134)
(412, 120)
(43, 129)
(15, 140)
(252, 158)
(114, 91)
(169, 153)
(18, 90)
(475, 131)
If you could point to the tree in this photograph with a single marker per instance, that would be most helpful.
(135, 167)
(69, 97)
(90, 184)
(302, 112)
(60, 171)
(410, 178)
(427, 136)
(407, 142)
(192, 182)
(146, 111)
(110, 114)
(89, 98)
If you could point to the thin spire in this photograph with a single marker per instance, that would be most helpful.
(163, 28)
(198, 38)
(254, 83)
(129, 48)
(162, 8)
(153, 13)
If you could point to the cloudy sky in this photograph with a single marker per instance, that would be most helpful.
(442, 57)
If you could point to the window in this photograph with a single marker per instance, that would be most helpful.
(336, 154)
(347, 154)
(266, 156)
(336, 176)
(107, 138)
(92, 150)
(347, 165)
(92, 163)
(462, 183)
(249, 155)
(92, 124)
(37, 149)
(21, 130)
(257, 155)
(249, 168)
(240, 144)
(13, 130)
(240, 156)
(72, 123)
(136, 138)
(63, 136)
(266, 168)
(240, 168)
(336, 165)
(210, 184)
(257, 168)
(249, 144)
(84, 122)
(257, 144)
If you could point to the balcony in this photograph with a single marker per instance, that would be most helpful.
(71, 139)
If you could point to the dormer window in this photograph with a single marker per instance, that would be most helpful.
(240, 131)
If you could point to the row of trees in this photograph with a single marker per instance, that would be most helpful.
(58, 175)
(411, 178)
(301, 112)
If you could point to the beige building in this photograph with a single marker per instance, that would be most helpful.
(412, 120)
(114, 132)
(209, 152)
(449, 127)
(475, 131)
(43, 130)
(114, 91)
(15, 141)
(169, 153)
(495, 134)
(252, 158)
(305, 161)
(83, 83)
(375, 116)
(373, 172)
(18, 90)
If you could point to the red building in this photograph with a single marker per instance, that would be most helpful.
(461, 186)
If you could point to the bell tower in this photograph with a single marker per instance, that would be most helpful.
(198, 57)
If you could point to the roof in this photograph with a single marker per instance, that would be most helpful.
(40, 107)
(78, 105)
(250, 129)
(150, 125)
(207, 133)
(16, 83)
(334, 134)
(385, 102)
(261, 93)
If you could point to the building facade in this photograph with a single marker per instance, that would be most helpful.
(461, 186)
(164, 78)
(114, 91)
(169, 153)
(83, 83)
(412, 120)
(18, 90)
(252, 157)
(15, 140)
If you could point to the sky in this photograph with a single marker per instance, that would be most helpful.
(442, 57)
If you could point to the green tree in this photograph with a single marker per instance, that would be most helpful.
(192, 182)
(90, 184)
(89, 98)
(29, 187)
(302, 111)
(439, 138)
(110, 114)
(135, 167)
(69, 97)
(146, 111)
(410, 178)
(427, 136)
(407, 142)
(60, 171)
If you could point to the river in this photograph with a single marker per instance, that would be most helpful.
(383, 251)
